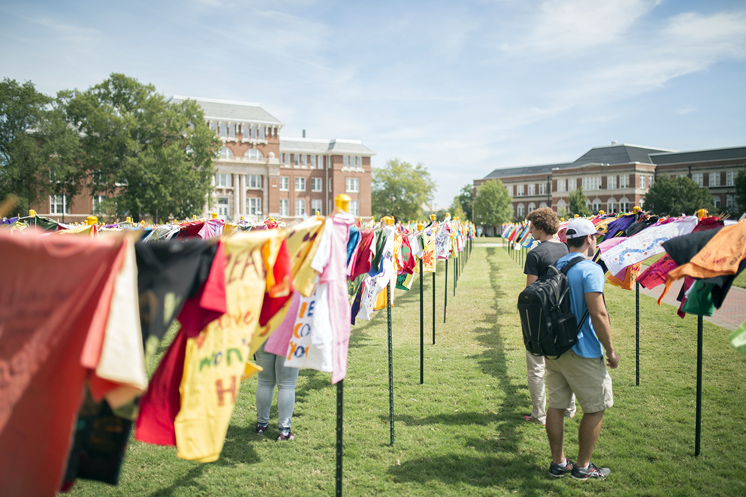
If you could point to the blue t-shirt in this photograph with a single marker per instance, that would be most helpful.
(585, 277)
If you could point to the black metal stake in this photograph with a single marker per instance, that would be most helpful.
(422, 328)
(637, 333)
(445, 293)
(340, 407)
(391, 367)
(434, 306)
(455, 275)
(698, 425)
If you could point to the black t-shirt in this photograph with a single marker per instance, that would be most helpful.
(546, 254)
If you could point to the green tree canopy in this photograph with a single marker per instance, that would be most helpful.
(493, 204)
(740, 182)
(146, 155)
(675, 196)
(401, 189)
(456, 210)
(466, 199)
(39, 153)
(578, 203)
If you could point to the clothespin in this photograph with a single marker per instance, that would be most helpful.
(241, 218)
(214, 215)
(341, 203)
(601, 213)
(194, 217)
(32, 213)
(317, 213)
(91, 220)
(420, 226)
(432, 217)
(701, 213)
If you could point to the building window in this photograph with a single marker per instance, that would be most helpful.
(329, 186)
(561, 206)
(591, 183)
(222, 207)
(651, 180)
(572, 184)
(58, 204)
(254, 206)
(286, 159)
(359, 162)
(542, 205)
(253, 132)
(596, 205)
(315, 184)
(730, 202)
(98, 204)
(216, 128)
(542, 189)
(518, 190)
(300, 184)
(253, 181)
(353, 185)
(223, 180)
(344, 159)
(561, 185)
(611, 182)
(225, 153)
(730, 178)
(642, 181)
(296, 160)
(253, 154)
(715, 180)
(611, 206)
(624, 205)
(232, 131)
(284, 210)
(624, 182)
(300, 207)
(316, 206)
(303, 160)
(531, 191)
(520, 210)
(354, 208)
(698, 178)
(261, 132)
(284, 183)
(531, 207)
(716, 201)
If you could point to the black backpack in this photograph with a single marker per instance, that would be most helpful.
(549, 327)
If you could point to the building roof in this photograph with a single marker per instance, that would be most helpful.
(526, 170)
(617, 154)
(315, 146)
(699, 156)
(227, 110)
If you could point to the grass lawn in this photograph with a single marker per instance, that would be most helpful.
(461, 433)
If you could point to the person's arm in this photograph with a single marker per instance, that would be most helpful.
(530, 278)
(600, 320)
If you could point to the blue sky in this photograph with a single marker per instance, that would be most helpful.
(462, 87)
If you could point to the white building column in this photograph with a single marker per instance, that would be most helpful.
(242, 195)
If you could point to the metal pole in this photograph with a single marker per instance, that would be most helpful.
(455, 276)
(698, 425)
(445, 293)
(340, 406)
(422, 328)
(434, 304)
(391, 366)
(637, 333)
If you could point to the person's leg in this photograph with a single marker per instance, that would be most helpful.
(265, 386)
(556, 433)
(535, 373)
(286, 381)
(590, 427)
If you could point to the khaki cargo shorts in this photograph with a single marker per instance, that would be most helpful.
(586, 377)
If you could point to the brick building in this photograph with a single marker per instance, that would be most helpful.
(616, 177)
(260, 174)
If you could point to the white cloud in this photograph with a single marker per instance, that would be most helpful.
(570, 26)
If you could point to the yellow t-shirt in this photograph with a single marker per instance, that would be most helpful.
(217, 358)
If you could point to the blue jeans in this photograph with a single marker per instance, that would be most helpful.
(274, 373)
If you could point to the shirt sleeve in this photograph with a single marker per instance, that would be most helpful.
(593, 279)
(532, 264)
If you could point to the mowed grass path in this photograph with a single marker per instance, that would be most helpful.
(461, 433)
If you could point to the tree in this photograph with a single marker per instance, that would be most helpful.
(675, 196)
(578, 203)
(146, 155)
(740, 182)
(456, 210)
(401, 189)
(466, 199)
(493, 204)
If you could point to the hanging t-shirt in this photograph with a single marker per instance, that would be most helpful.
(428, 256)
(216, 359)
(55, 296)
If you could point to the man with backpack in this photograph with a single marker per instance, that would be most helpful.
(581, 370)
(544, 225)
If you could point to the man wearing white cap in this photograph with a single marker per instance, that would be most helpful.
(581, 370)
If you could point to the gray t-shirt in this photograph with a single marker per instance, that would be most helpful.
(546, 254)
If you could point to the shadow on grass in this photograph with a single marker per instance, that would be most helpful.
(497, 460)
(188, 481)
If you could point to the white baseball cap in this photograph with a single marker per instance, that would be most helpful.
(580, 227)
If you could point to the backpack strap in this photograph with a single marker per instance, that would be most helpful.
(565, 269)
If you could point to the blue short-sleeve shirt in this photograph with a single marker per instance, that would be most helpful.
(585, 277)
